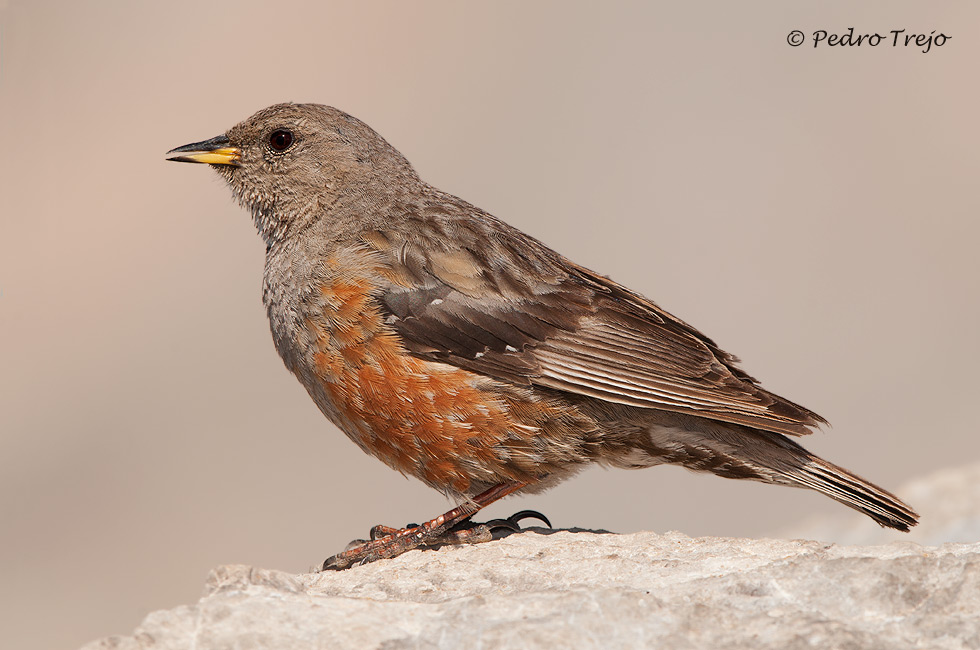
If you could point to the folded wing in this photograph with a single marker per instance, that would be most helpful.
(513, 309)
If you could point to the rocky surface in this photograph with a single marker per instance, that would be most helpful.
(588, 590)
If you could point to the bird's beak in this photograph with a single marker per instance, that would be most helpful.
(216, 151)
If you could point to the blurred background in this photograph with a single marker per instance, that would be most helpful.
(812, 210)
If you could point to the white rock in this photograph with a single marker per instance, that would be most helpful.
(586, 590)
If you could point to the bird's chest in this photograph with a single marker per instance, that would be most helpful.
(287, 283)
(324, 318)
(331, 332)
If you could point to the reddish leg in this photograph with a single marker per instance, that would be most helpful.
(406, 539)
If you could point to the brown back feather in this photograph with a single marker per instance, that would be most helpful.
(503, 304)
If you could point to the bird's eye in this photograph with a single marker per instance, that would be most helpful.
(280, 139)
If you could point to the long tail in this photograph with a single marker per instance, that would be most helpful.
(855, 492)
(735, 451)
(794, 465)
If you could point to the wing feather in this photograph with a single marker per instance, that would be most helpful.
(509, 307)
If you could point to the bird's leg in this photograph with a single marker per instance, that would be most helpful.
(466, 531)
(398, 541)
(381, 531)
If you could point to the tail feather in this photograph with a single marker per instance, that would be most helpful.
(740, 452)
(793, 464)
(855, 492)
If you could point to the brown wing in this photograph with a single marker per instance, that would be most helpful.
(502, 304)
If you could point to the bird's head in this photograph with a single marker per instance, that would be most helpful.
(292, 164)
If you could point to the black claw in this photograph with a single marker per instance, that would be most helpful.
(528, 514)
(506, 524)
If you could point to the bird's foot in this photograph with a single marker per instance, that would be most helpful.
(387, 542)
(470, 532)
(504, 527)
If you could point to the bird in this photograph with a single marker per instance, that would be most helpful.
(463, 352)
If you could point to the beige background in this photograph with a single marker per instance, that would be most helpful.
(814, 211)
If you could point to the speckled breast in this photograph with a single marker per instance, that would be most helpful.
(457, 431)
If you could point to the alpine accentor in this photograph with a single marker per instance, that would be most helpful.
(468, 354)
